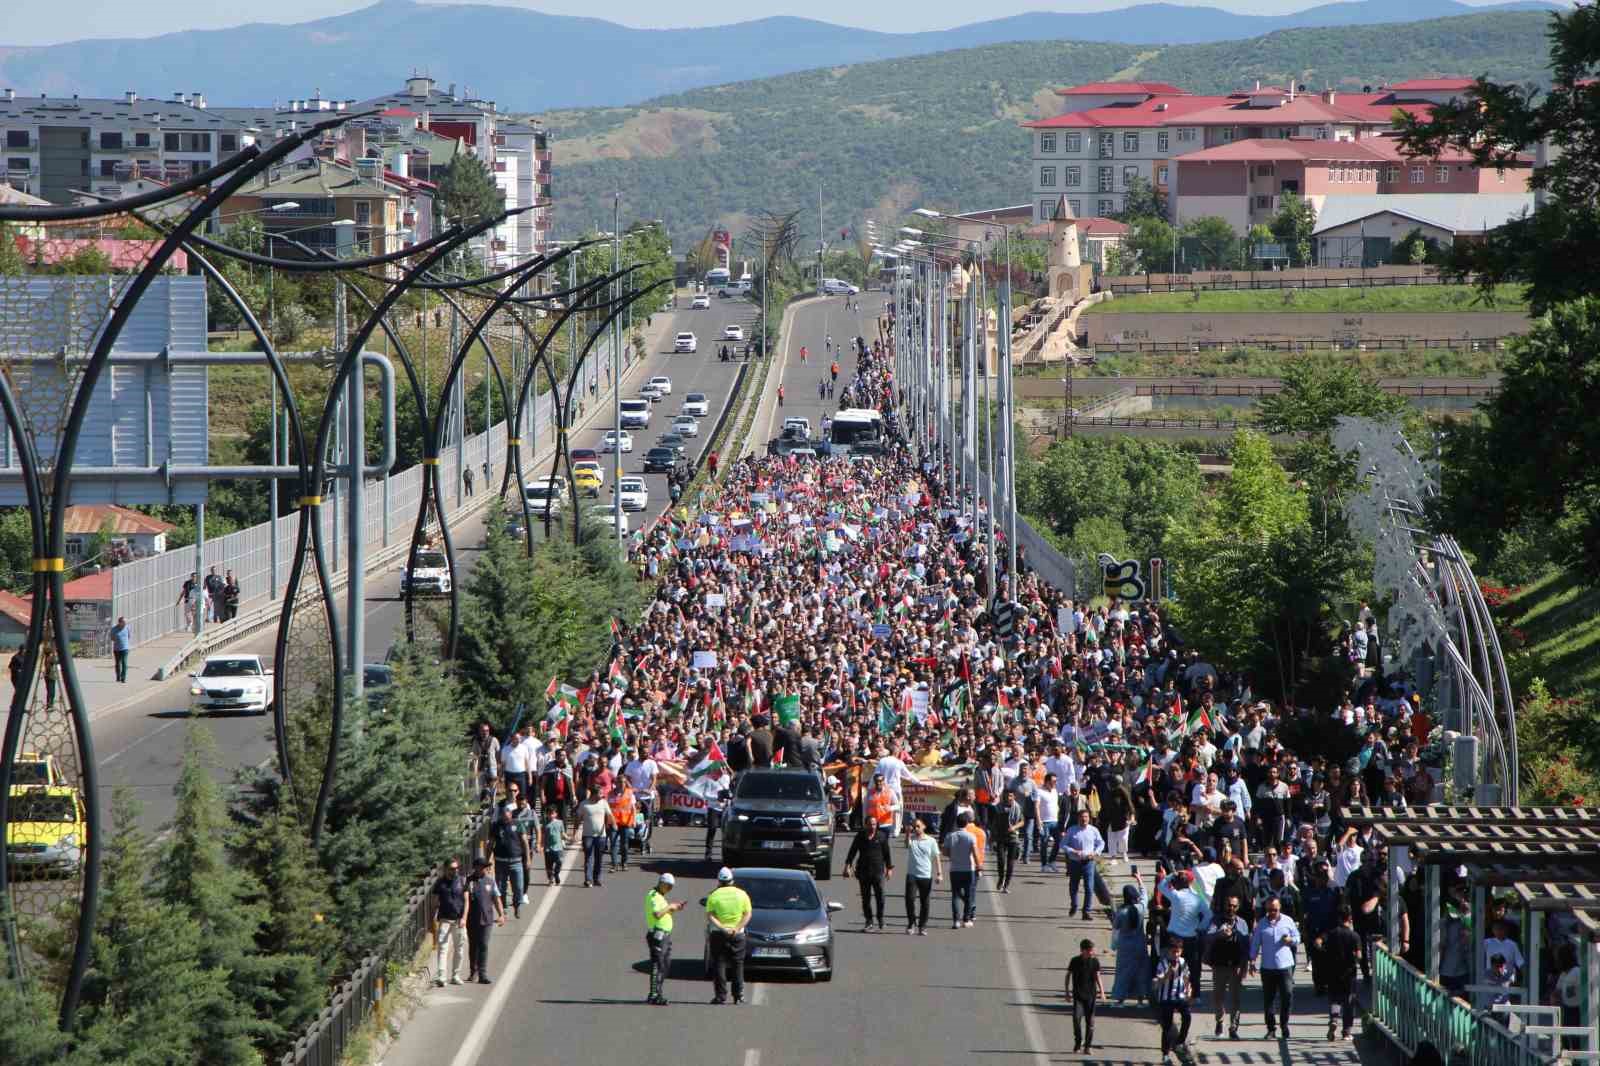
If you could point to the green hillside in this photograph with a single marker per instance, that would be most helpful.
(942, 129)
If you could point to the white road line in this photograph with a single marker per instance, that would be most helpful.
(752, 1057)
(471, 1049)
(114, 756)
(1030, 1021)
(756, 995)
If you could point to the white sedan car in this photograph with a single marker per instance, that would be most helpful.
(617, 440)
(688, 425)
(662, 383)
(605, 516)
(733, 333)
(696, 404)
(701, 302)
(231, 683)
(685, 342)
(635, 493)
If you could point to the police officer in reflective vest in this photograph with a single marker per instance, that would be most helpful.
(658, 912)
(728, 912)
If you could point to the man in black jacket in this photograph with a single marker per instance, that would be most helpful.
(869, 855)
(761, 741)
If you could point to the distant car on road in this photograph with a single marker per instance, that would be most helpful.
(733, 333)
(791, 927)
(546, 496)
(701, 302)
(616, 440)
(635, 414)
(587, 479)
(231, 683)
(795, 422)
(650, 392)
(635, 493)
(687, 425)
(696, 404)
(581, 454)
(663, 383)
(49, 830)
(686, 342)
(837, 287)
(430, 575)
(660, 460)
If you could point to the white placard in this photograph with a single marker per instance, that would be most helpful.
(716, 599)
(705, 660)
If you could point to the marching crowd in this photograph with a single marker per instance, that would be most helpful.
(834, 613)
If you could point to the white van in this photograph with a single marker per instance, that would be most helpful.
(635, 414)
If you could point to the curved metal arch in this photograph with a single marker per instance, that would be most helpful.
(327, 264)
(28, 461)
(563, 456)
(442, 282)
(246, 168)
(341, 376)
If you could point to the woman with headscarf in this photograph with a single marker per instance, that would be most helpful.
(1128, 940)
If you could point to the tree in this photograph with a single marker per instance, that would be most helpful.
(1293, 225)
(1551, 249)
(1149, 242)
(1143, 200)
(1413, 249)
(1257, 502)
(11, 259)
(1316, 392)
(146, 995)
(467, 192)
(1209, 243)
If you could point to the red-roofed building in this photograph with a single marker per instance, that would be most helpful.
(135, 530)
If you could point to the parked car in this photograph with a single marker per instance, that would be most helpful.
(685, 342)
(617, 440)
(234, 682)
(428, 575)
(696, 404)
(687, 425)
(662, 383)
(791, 927)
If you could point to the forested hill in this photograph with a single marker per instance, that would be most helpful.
(942, 129)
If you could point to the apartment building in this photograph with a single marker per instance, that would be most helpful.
(56, 147)
(317, 198)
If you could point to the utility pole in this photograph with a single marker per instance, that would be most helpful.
(616, 377)
(822, 241)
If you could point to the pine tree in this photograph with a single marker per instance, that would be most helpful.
(217, 897)
(146, 993)
(467, 191)
(28, 1032)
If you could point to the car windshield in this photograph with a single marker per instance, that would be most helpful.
(430, 561)
(539, 492)
(779, 893)
(375, 675)
(780, 786)
(42, 807)
(30, 772)
(633, 486)
(695, 397)
(231, 668)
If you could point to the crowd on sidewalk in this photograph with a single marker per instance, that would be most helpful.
(834, 612)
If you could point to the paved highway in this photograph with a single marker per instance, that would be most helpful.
(141, 746)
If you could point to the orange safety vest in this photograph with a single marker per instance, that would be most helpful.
(882, 806)
(622, 809)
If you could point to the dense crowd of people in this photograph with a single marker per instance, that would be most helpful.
(834, 613)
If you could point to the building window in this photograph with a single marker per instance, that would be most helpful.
(1106, 179)
(1076, 207)
(141, 140)
(75, 547)
(1128, 174)
(187, 142)
(1263, 202)
(1047, 144)
(17, 163)
(110, 142)
(1047, 210)
(1418, 175)
(108, 168)
(1130, 143)
(1074, 177)
(363, 212)
(1186, 134)
(1391, 174)
(1074, 143)
(1442, 175)
(1161, 174)
(1047, 177)
(1162, 141)
(17, 139)
(1107, 208)
(1264, 170)
(227, 142)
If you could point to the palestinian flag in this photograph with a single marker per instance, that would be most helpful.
(551, 689)
(1149, 775)
(614, 723)
(566, 703)
(887, 719)
(1198, 719)
(710, 775)
(616, 630)
(957, 702)
(787, 708)
(614, 674)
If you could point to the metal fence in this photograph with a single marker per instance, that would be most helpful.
(146, 591)
(1374, 344)
(359, 995)
(1411, 1010)
(1272, 279)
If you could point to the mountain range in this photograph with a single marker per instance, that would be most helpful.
(532, 61)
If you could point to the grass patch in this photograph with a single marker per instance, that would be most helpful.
(1554, 633)
(1370, 300)
(1246, 362)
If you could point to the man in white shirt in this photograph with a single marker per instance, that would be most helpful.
(1500, 943)
(516, 759)
(1047, 805)
(1347, 858)
(1065, 768)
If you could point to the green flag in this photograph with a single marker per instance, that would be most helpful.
(788, 709)
(887, 719)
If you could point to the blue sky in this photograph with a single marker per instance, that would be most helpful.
(48, 21)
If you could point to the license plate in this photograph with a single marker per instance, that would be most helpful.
(769, 953)
(775, 845)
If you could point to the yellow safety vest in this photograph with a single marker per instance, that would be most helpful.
(657, 912)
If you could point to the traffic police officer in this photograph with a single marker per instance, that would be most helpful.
(728, 911)
(658, 913)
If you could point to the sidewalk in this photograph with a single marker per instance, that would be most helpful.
(97, 676)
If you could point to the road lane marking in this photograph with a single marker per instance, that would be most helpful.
(1030, 1022)
(114, 756)
(471, 1049)
(755, 995)
(752, 1057)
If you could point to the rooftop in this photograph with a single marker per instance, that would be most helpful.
(1155, 111)
(1120, 88)
(1456, 212)
(89, 518)
(114, 114)
(1434, 84)
(315, 178)
(15, 608)
(1309, 149)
